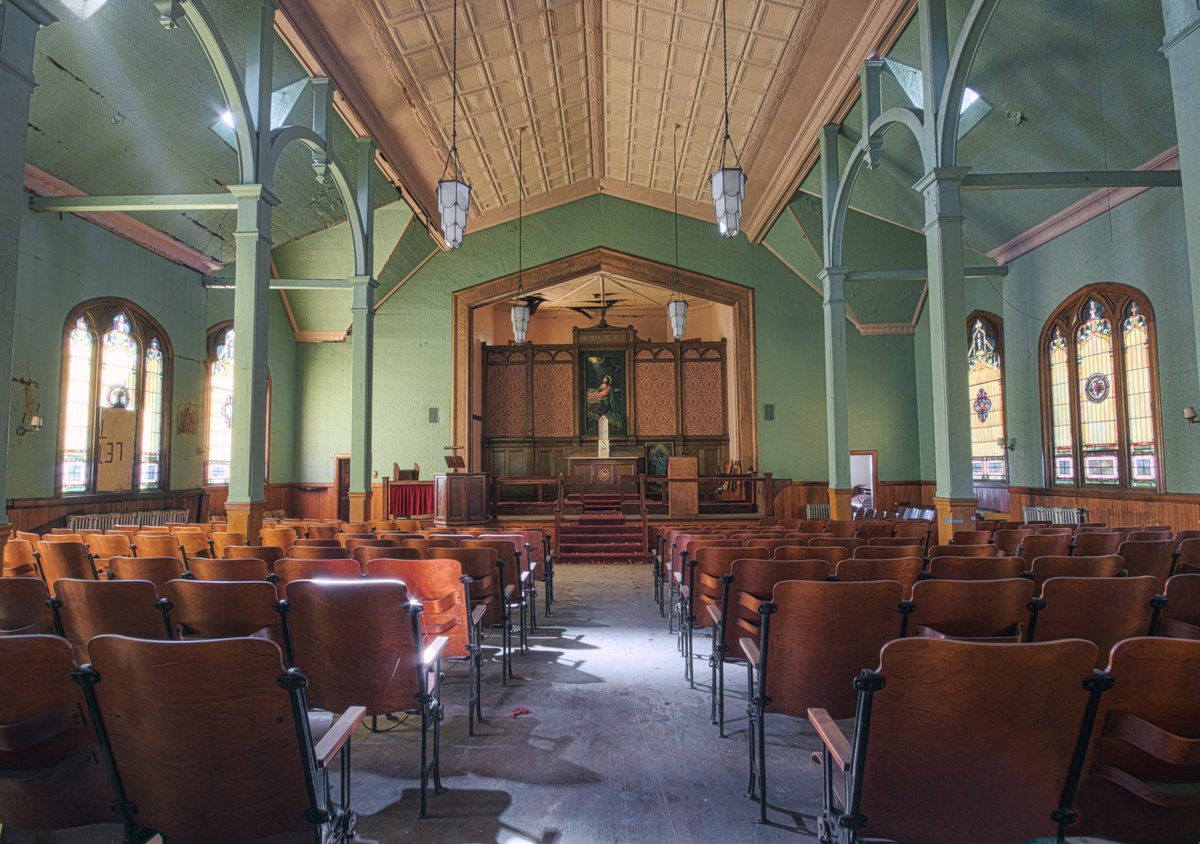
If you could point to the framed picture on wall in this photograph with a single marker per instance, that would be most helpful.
(658, 455)
(604, 392)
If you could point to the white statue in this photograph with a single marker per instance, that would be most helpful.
(602, 439)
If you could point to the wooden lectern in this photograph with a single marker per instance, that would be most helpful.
(460, 498)
(683, 495)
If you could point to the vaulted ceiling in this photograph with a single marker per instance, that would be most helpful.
(601, 86)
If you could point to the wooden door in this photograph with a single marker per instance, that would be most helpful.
(342, 485)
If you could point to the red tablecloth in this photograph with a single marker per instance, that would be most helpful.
(410, 498)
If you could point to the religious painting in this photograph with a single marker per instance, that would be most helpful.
(604, 392)
(658, 456)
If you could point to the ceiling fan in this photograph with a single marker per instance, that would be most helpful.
(602, 304)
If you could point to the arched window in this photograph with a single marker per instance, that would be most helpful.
(116, 391)
(985, 378)
(220, 405)
(1101, 391)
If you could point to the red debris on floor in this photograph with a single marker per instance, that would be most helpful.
(519, 710)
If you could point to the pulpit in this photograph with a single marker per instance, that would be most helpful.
(684, 494)
(460, 498)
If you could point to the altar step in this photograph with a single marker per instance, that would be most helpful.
(600, 539)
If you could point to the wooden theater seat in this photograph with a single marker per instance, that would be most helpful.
(289, 570)
(269, 554)
(67, 560)
(1044, 568)
(888, 552)
(975, 568)
(1181, 616)
(904, 571)
(969, 609)
(321, 552)
(157, 545)
(20, 560)
(703, 589)
(1097, 544)
(1152, 557)
(248, 568)
(1102, 610)
(971, 537)
(831, 554)
(986, 550)
(1009, 540)
(157, 570)
(24, 607)
(1044, 545)
(84, 609)
(203, 609)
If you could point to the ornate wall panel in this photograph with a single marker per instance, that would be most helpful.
(703, 393)
(656, 407)
(506, 402)
(553, 398)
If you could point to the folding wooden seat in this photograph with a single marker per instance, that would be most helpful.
(24, 608)
(179, 717)
(26, 536)
(307, 552)
(528, 566)
(1181, 616)
(193, 544)
(1141, 781)
(1044, 545)
(269, 554)
(989, 759)
(914, 529)
(365, 553)
(815, 638)
(157, 545)
(343, 538)
(317, 543)
(84, 609)
(321, 531)
(832, 554)
(968, 609)
(1097, 544)
(61, 537)
(442, 589)
(1162, 529)
(868, 530)
(964, 551)
(223, 539)
(888, 552)
(808, 537)
(805, 526)
(837, 542)
(424, 545)
(1150, 535)
(157, 570)
(1055, 530)
(1044, 568)
(794, 524)
(54, 776)
(842, 530)
(229, 569)
(703, 589)
(457, 537)
(772, 544)
(397, 537)
(353, 543)
(130, 530)
(1103, 610)
(204, 609)
(361, 644)
(289, 570)
(538, 552)
(670, 573)
(903, 570)
(975, 568)
(749, 583)
(510, 572)
(1091, 527)
(356, 528)
(1127, 529)
(897, 542)
(971, 537)
(67, 559)
(1010, 541)
(279, 537)
(20, 559)
(1153, 558)
(103, 546)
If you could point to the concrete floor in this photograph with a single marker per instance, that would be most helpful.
(616, 747)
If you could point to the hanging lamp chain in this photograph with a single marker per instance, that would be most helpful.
(520, 205)
(675, 189)
(727, 140)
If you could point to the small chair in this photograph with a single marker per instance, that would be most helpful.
(842, 530)
(1187, 555)
(1009, 540)
(223, 539)
(157, 545)
(1153, 557)
(202, 609)
(1141, 779)
(976, 568)
(1102, 610)
(307, 552)
(25, 607)
(244, 569)
(356, 528)
(815, 638)
(177, 718)
(193, 544)
(1097, 544)
(904, 571)
(20, 559)
(54, 773)
(67, 560)
(361, 645)
(1044, 545)
(289, 571)
(84, 609)
(1044, 568)
(973, 699)
(104, 546)
(157, 570)
(968, 609)
(321, 531)
(1181, 616)
(279, 537)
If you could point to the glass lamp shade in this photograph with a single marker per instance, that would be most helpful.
(677, 311)
(454, 201)
(728, 191)
(520, 321)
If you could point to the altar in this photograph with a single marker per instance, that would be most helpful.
(603, 471)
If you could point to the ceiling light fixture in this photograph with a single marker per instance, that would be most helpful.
(454, 194)
(728, 183)
(677, 308)
(520, 308)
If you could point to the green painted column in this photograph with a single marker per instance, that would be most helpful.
(362, 308)
(252, 274)
(20, 21)
(837, 390)
(955, 497)
(1181, 46)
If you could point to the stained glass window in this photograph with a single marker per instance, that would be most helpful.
(77, 420)
(220, 410)
(1143, 448)
(1102, 398)
(989, 458)
(106, 368)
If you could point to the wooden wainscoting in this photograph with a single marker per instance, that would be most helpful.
(41, 514)
(994, 498)
(319, 501)
(790, 502)
(890, 494)
(1180, 510)
(279, 497)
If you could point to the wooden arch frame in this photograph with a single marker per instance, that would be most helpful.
(143, 323)
(1115, 298)
(601, 259)
(996, 325)
(215, 332)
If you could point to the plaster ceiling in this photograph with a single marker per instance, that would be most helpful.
(626, 294)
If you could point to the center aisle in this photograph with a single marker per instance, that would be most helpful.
(615, 748)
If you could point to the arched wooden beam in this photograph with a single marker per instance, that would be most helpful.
(965, 51)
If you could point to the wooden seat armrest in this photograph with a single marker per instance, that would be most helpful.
(333, 741)
(833, 737)
(433, 650)
(684, 591)
(524, 577)
(750, 601)
(1176, 629)
(1153, 740)
(509, 590)
(750, 649)
(714, 612)
(478, 613)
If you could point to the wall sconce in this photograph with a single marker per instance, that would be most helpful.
(1189, 413)
(35, 425)
(1007, 445)
(31, 422)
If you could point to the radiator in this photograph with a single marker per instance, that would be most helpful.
(816, 511)
(144, 518)
(1056, 515)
